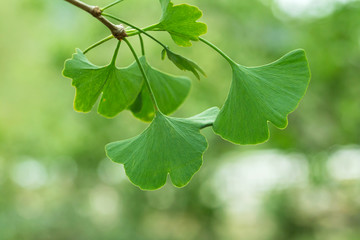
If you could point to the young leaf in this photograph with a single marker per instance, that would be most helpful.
(168, 146)
(170, 92)
(183, 63)
(119, 87)
(180, 22)
(163, 54)
(262, 94)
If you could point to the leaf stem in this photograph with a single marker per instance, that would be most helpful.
(142, 45)
(98, 43)
(133, 32)
(150, 28)
(137, 28)
(224, 55)
(147, 82)
(113, 60)
(111, 4)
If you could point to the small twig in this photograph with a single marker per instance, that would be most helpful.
(117, 31)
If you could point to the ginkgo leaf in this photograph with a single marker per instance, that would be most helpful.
(169, 145)
(181, 22)
(119, 87)
(183, 63)
(170, 92)
(260, 95)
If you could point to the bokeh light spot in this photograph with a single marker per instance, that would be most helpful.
(30, 174)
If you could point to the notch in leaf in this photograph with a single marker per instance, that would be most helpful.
(180, 21)
(119, 87)
(183, 63)
(259, 95)
(169, 145)
(170, 92)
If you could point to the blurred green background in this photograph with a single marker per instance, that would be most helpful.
(303, 184)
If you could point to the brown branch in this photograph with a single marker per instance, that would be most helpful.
(117, 31)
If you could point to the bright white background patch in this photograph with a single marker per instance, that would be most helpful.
(246, 177)
(345, 164)
(308, 8)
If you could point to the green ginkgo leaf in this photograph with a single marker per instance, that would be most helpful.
(119, 87)
(169, 145)
(260, 95)
(170, 92)
(181, 22)
(183, 63)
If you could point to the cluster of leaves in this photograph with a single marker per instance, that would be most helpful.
(174, 146)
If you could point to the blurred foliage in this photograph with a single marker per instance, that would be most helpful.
(55, 182)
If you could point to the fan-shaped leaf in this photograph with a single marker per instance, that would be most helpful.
(262, 94)
(119, 87)
(180, 22)
(169, 145)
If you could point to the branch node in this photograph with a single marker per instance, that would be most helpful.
(96, 12)
(119, 33)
